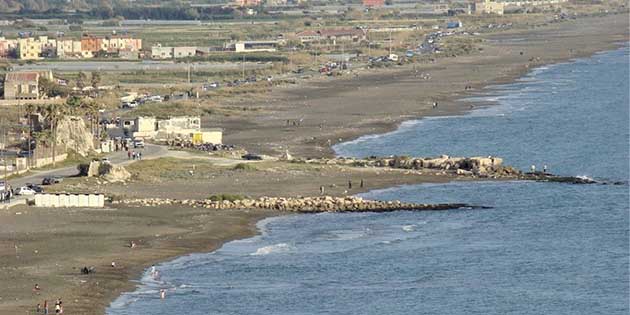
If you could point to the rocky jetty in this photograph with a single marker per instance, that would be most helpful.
(475, 166)
(300, 205)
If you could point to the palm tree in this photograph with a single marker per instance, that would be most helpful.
(30, 110)
(74, 103)
(54, 113)
(90, 109)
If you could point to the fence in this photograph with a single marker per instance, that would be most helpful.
(70, 200)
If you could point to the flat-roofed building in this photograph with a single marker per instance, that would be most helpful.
(184, 52)
(161, 52)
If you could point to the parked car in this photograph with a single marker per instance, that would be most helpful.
(154, 98)
(52, 180)
(36, 188)
(132, 104)
(25, 191)
(252, 157)
(138, 143)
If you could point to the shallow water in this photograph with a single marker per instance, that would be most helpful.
(544, 248)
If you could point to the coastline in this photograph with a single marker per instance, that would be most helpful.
(463, 109)
(359, 103)
(207, 242)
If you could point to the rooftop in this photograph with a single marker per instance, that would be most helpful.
(21, 76)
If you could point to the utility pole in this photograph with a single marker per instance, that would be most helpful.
(390, 41)
(188, 72)
(243, 67)
(4, 157)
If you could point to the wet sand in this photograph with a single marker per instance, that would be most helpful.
(52, 244)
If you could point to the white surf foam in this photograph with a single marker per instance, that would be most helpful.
(271, 249)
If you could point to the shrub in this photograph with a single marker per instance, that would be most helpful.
(244, 167)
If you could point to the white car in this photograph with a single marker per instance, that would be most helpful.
(25, 191)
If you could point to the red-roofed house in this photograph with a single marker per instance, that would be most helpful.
(21, 86)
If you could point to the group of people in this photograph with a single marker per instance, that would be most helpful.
(45, 308)
(533, 169)
(133, 155)
(361, 185)
(6, 194)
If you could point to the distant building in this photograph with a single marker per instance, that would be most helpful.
(182, 128)
(332, 36)
(254, 46)
(488, 7)
(21, 86)
(373, 3)
(247, 3)
(68, 48)
(160, 52)
(29, 48)
(90, 45)
(184, 52)
(8, 47)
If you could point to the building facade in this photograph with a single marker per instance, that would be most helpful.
(21, 86)
(488, 7)
(29, 49)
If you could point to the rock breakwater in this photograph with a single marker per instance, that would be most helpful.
(300, 204)
(476, 166)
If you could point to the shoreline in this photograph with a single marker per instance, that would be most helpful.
(398, 125)
(359, 101)
(483, 92)
(249, 221)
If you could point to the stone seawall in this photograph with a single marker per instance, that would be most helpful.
(301, 205)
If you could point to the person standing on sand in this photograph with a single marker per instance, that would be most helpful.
(46, 307)
(349, 184)
(321, 190)
(361, 184)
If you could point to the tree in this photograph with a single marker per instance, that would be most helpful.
(73, 104)
(96, 79)
(51, 89)
(81, 80)
(54, 113)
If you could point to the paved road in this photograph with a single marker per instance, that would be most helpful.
(120, 158)
(65, 66)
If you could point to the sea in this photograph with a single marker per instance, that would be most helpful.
(542, 248)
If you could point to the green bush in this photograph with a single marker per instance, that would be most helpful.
(244, 167)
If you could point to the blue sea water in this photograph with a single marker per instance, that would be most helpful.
(544, 248)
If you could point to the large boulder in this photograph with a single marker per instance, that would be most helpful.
(73, 133)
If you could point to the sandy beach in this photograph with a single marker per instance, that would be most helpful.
(377, 101)
(49, 246)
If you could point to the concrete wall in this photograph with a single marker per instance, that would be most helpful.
(70, 200)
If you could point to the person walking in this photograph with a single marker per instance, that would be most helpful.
(349, 184)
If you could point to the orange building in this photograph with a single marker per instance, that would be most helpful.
(90, 44)
(373, 3)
